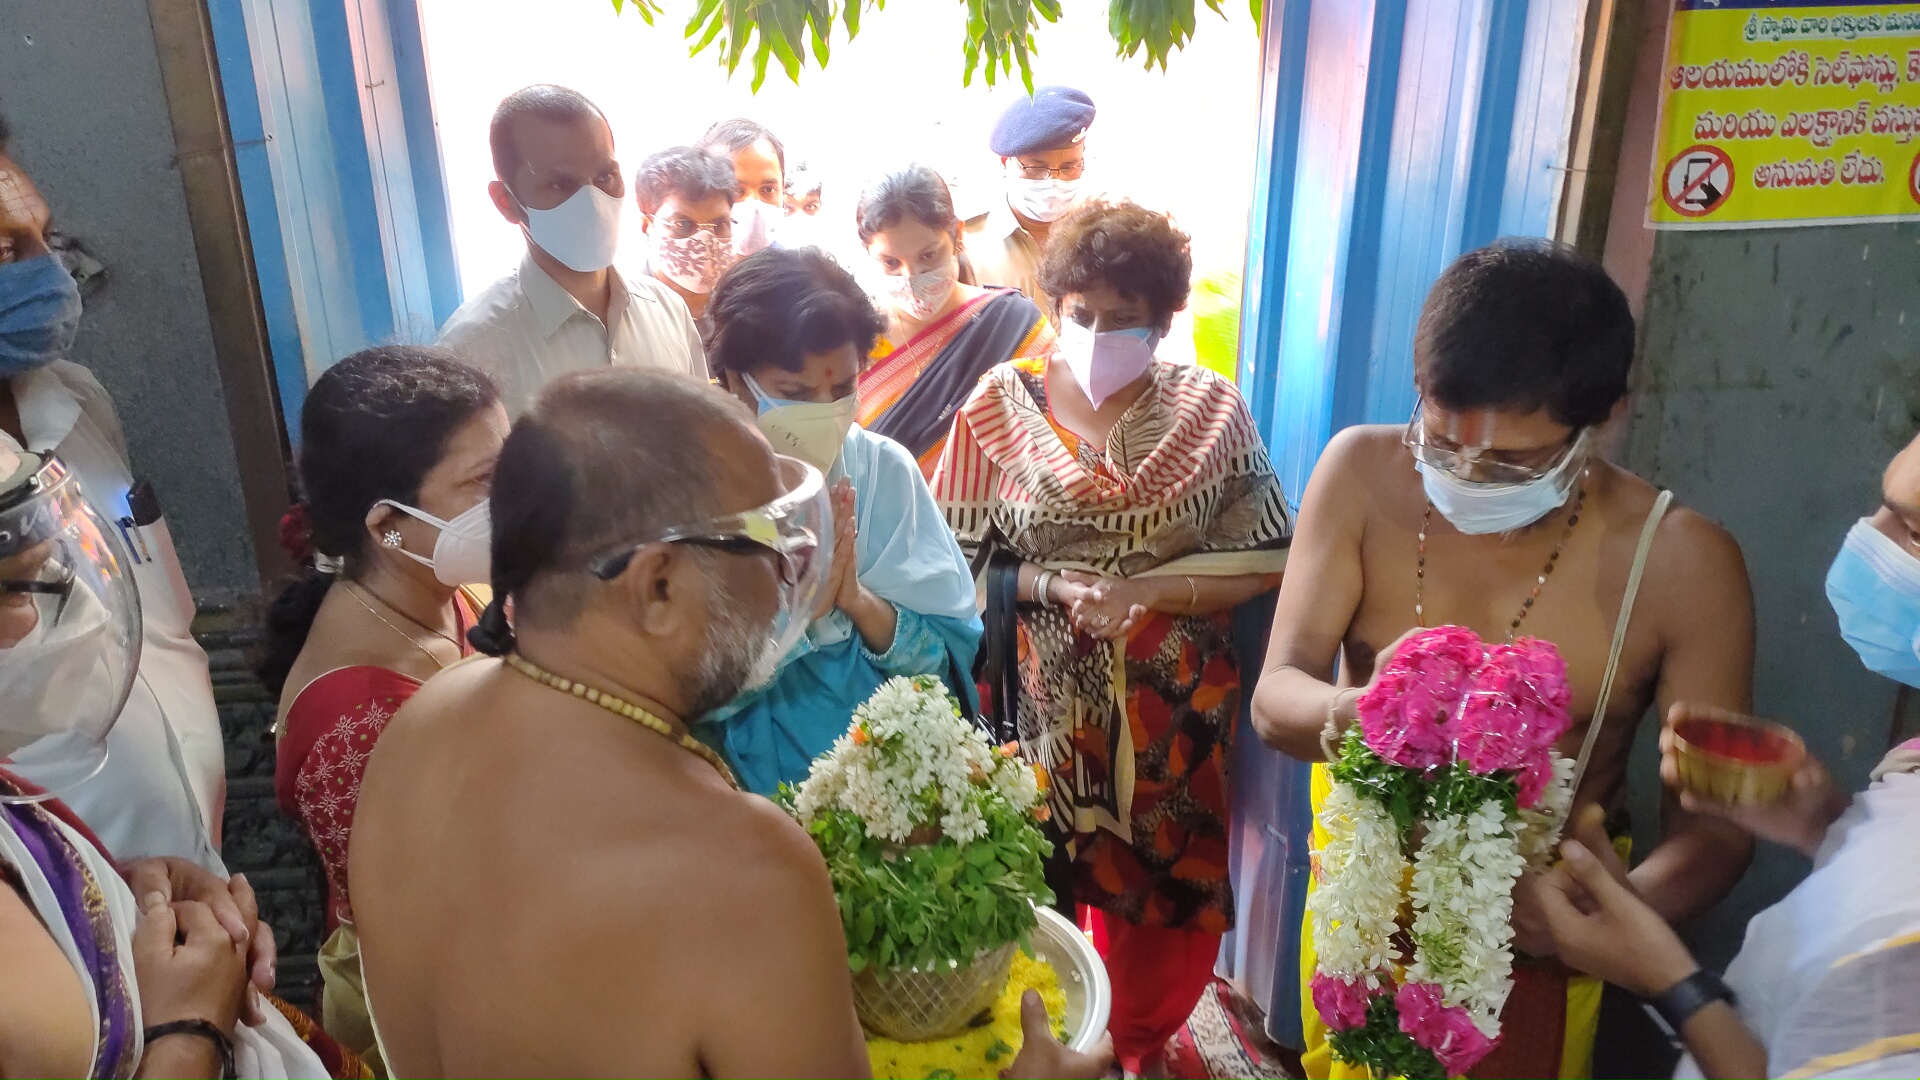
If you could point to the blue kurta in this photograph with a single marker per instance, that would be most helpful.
(908, 557)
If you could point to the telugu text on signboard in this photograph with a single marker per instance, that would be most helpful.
(1774, 114)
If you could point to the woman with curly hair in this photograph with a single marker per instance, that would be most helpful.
(1130, 505)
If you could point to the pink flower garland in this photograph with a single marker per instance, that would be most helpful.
(1513, 714)
(1447, 1031)
(1342, 1002)
(1444, 697)
(1406, 715)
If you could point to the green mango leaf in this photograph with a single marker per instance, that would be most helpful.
(760, 56)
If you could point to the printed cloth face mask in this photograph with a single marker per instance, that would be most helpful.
(813, 431)
(920, 295)
(755, 227)
(463, 553)
(695, 262)
(1108, 362)
(39, 313)
(1046, 199)
(1874, 587)
(582, 232)
(1481, 509)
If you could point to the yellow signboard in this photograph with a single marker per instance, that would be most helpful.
(1775, 114)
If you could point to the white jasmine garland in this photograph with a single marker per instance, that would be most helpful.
(909, 760)
(1357, 904)
(1540, 826)
(1462, 930)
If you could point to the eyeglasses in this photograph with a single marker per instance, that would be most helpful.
(788, 528)
(1064, 172)
(791, 565)
(682, 227)
(1481, 465)
(56, 579)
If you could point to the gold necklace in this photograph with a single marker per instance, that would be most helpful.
(354, 590)
(622, 707)
(1539, 583)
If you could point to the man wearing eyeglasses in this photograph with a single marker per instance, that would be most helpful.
(1042, 145)
(686, 213)
(1495, 509)
(566, 307)
(552, 877)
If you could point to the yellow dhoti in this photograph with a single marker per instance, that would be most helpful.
(1582, 995)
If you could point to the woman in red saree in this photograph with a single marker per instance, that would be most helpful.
(396, 460)
(1134, 506)
(943, 332)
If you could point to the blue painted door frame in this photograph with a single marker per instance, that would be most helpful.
(1395, 135)
(340, 171)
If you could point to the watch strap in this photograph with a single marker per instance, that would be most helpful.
(1678, 1003)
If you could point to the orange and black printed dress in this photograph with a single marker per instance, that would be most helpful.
(1134, 733)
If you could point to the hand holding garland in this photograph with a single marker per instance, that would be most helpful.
(1457, 737)
(1604, 929)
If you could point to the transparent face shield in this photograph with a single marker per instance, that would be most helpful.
(792, 531)
(69, 627)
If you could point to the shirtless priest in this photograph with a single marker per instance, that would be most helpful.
(551, 884)
(1494, 509)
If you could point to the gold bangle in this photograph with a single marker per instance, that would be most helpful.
(1193, 595)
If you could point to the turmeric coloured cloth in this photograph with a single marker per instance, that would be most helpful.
(1548, 1026)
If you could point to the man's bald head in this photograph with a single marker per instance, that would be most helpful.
(606, 457)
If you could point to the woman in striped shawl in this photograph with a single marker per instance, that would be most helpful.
(1130, 505)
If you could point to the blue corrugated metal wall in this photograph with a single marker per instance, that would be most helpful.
(1395, 134)
(345, 200)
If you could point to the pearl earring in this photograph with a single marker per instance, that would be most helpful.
(391, 539)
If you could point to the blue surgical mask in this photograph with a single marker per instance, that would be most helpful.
(1874, 587)
(39, 312)
(1481, 509)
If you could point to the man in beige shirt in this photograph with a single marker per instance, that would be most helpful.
(566, 307)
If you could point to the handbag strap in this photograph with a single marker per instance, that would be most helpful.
(1659, 511)
(999, 661)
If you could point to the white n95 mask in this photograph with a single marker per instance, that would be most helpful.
(812, 431)
(583, 232)
(463, 553)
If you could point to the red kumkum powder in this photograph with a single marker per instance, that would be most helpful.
(1751, 745)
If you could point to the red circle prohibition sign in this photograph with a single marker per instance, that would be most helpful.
(1697, 181)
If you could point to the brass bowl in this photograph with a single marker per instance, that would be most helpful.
(1736, 762)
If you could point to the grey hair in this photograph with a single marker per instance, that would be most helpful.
(603, 457)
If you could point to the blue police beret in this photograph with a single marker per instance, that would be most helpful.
(1054, 118)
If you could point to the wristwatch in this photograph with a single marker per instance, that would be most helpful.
(1675, 1005)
